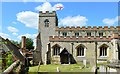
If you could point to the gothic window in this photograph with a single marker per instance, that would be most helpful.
(103, 50)
(46, 23)
(89, 34)
(64, 34)
(56, 50)
(80, 51)
(77, 34)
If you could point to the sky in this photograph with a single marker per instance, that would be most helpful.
(21, 18)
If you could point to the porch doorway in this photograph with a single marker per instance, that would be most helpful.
(64, 57)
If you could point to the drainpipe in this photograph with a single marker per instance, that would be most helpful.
(72, 47)
(95, 55)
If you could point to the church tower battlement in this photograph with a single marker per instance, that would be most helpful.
(47, 13)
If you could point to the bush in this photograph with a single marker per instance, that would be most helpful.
(9, 59)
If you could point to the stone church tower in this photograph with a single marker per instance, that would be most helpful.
(46, 27)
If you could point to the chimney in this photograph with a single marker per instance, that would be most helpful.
(23, 46)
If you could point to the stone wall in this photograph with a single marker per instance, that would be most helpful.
(89, 51)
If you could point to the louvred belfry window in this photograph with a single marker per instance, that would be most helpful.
(46, 23)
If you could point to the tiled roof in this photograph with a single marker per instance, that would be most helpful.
(9, 46)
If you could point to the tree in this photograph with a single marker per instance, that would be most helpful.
(29, 44)
(15, 42)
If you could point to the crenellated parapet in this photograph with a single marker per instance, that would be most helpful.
(115, 36)
(88, 28)
(80, 38)
(47, 13)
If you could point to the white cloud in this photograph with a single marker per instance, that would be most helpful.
(14, 22)
(48, 7)
(12, 29)
(73, 21)
(110, 21)
(33, 36)
(4, 35)
(29, 18)
(27, 35)
(15, 34)
(44, 7)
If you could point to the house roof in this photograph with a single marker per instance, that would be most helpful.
(7, 45)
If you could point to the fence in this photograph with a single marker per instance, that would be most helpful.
(12, 67)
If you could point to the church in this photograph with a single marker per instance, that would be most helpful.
(69, 45)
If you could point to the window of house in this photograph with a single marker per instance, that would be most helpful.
(56, 50)
(80, 51)
(103, 51)
(89, 34)
(64, 34)
(46, 23)
(77, 34)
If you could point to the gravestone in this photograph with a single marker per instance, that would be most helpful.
(103, 69)
(84, 62)
(58, 69)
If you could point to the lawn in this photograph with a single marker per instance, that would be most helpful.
(0, 65)
(0, 61)
(63, 68)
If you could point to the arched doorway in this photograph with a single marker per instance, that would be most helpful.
(65, 57)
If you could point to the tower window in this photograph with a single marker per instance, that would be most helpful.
(64, 34)
(77, 34)
(46, 23)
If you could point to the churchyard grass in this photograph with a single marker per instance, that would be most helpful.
(0, 65)
(63, 68)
